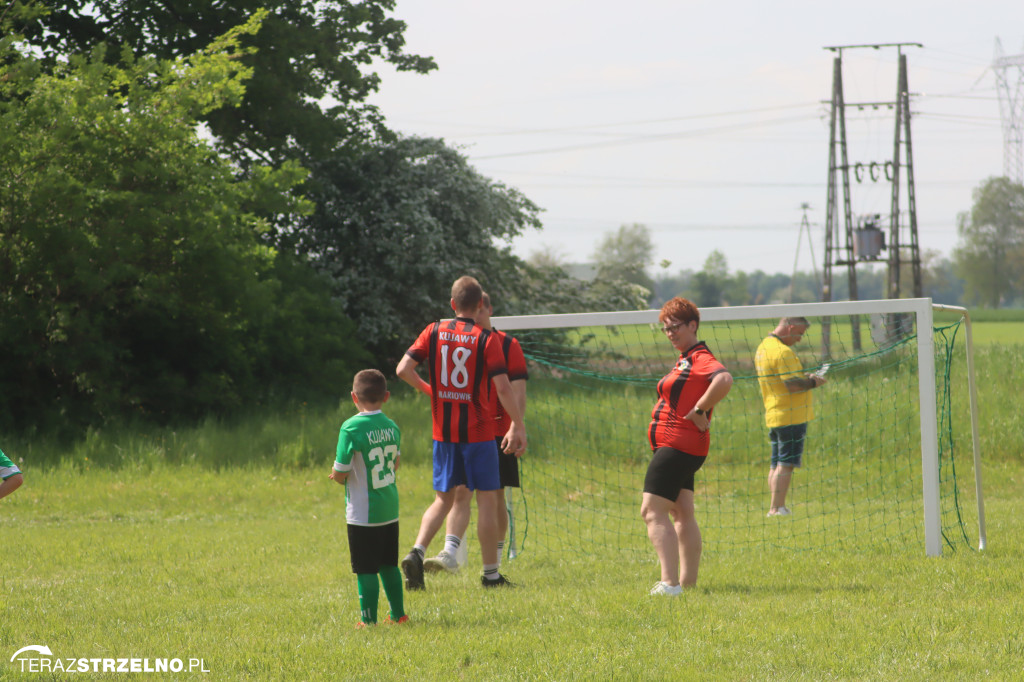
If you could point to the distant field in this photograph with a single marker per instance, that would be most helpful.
(982, 315)
(739, 339)
(1005, 333)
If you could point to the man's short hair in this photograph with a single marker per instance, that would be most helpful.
(466, 293)
(370, 386)
(486, 298)
(795, 321)
(681, 309)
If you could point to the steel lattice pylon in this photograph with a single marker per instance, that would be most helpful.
(841, 240)
(1009, 73)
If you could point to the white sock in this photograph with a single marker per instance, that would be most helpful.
(451, 544)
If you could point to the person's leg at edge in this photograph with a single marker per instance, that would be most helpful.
(10, 484)
(662, 533)
(688, 534)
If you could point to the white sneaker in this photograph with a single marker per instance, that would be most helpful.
(781, 511)
(666, 589)
(442, 562)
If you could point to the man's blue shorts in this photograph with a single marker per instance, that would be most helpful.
(788, 444)
(474, 465)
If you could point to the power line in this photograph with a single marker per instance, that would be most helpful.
(498, 131)
(585, 181)
(587, 225)
(641, 139)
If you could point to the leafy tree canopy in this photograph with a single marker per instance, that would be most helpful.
(398, 221)
(625, 254)
(132, 276)
(714, 286)
(990, 256)
(308, 52)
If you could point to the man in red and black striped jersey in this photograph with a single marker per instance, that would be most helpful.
(508, 464)
(463, 361)
(680, 439)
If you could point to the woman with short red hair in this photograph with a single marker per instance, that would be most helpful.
(680, 439)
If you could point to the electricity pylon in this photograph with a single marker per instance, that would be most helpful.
(865, 243)
(1009, 73)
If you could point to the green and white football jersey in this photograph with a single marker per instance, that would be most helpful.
(368, 446)
(7, 467)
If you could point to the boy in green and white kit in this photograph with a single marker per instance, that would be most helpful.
(368, 452)
(10, 475)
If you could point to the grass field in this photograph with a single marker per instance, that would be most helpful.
(247, 570)
(226, 543)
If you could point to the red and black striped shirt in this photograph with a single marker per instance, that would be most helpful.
(678, 392)
(461, 357)
(515, 361)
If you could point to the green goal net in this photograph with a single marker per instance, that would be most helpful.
(881, 458)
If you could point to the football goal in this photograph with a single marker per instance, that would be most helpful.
(893, 429)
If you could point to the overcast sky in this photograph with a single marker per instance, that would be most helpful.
(707, 122)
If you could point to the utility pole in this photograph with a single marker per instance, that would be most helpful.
(866, 242)
(805, 226)
(896, 255)
(1010, 85)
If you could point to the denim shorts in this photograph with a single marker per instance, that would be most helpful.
(788, 444)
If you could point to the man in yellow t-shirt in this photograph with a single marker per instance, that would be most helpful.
(786, 392)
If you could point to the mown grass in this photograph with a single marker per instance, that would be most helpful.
(226, 542)
(247, 568)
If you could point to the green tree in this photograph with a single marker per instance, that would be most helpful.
(399, 221)
(708, 286)
(546, 288)
(625, 255)
(940, 280)
(547, 257)
(312, 66)
(666, 286)
(806, 287)
(132, 276)
(990, 255)
(396, 223)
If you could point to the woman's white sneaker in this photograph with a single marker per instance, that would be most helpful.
(666, 589)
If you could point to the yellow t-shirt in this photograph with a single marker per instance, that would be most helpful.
(775, 362)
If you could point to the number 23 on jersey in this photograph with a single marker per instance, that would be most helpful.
(383, 461)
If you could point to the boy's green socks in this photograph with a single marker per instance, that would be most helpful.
(369, 594)
(391, 576)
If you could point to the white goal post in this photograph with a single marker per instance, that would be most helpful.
(921, 308)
